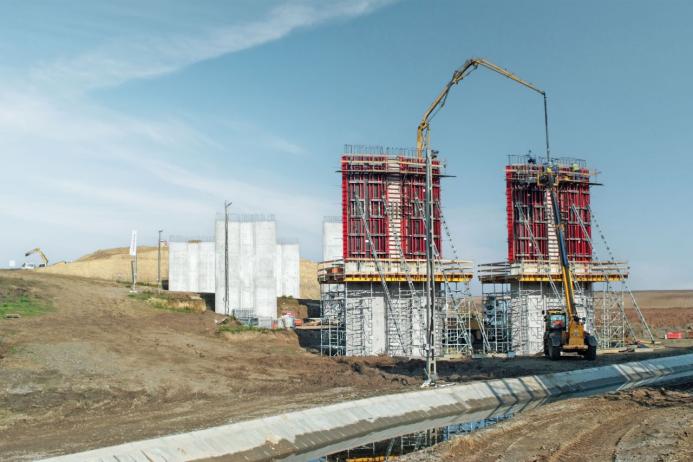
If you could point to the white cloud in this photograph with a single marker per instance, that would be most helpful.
(257, 137)
(76, 165)
(148, 57)
(301, 213)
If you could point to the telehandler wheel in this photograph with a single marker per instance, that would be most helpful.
(554, 352)
(591, 353)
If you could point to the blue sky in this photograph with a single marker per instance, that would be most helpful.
(146, 115)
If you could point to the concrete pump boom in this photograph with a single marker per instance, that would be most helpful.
(422, 134)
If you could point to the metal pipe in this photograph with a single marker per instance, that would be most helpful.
(227, 204)
(431, 369)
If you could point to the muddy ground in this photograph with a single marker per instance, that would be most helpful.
(101, 368)
(636, 425)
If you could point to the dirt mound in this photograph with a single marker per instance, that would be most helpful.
(284, 338)
(641, 424)
(650, 397)
(102, 254)
(114, 265)
(309, 280)
(111, 368)
(289, 304)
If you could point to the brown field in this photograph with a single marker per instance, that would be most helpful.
(114, 265)
(657, 299)
(100, 367)
(637, 425)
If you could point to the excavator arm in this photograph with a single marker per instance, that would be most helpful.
(40, 253)
(422, 134)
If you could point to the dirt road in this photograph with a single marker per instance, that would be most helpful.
(637, 425)
(101, 368)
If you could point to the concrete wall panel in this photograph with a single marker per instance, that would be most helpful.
(251, 279)
(191, 267)
(287, 270)
(332, 240)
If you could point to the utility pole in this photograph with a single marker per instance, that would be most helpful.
(546, 129)
(158, 263)
(133, 260)
(227, 204)
(431, 369)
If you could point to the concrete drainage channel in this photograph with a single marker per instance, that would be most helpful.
(311, 433)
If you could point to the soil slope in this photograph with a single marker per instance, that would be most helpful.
(114, 265)
(636, 425)
(100, 367)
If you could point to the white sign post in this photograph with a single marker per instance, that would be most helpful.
(133, 259)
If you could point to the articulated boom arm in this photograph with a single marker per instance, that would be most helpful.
(40, 253)
(568, 284)
(422, 137)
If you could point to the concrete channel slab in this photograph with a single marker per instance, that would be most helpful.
(323, 430)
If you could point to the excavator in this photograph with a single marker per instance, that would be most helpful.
(564, 330)
(40, 253)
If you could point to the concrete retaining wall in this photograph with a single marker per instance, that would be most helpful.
(287, 270)
(313, 432)
(252, 280)
(332, 239)
(191, 267)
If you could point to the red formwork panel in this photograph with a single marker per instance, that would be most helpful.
(364, 187)
(525, 202)
(366, 179)
(413, 194)
(527, 221)
(574, 198)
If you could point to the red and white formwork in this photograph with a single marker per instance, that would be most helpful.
(517, 292)
(390, 190)
(529, 214)
(373, 297)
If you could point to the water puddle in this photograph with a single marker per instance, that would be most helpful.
(407, 433)
(411, 442)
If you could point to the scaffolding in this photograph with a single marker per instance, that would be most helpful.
(516, 293)
(333, 319)
(463, 326)
(519, 293)
(613, 329)
(374, 299)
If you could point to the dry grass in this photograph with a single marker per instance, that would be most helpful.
(309, 280)
(114, 265)
(654, 299)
